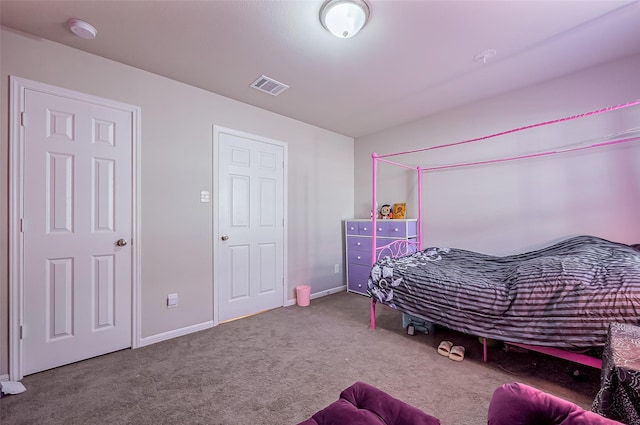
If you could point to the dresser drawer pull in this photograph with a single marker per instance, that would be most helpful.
(359, 257)
(358, 244)
(396, 230)
(352, 228)
(379, 229)
(364, 228)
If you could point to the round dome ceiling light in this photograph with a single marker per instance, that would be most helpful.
(344, 18)
(82, 29)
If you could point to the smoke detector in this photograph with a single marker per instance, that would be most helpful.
(484, 55)
(82, 29)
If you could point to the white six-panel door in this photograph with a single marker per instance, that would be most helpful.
(250, 250)
(77, 229)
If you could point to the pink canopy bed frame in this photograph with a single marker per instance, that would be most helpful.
(405, 247)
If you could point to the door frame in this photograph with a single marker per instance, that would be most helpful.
(216, 213)
(18, 87)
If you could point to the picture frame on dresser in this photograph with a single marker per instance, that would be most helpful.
(358, 242)
(399, 210)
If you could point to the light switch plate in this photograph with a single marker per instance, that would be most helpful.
(204, 196)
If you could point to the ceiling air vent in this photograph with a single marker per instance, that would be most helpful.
(269, 85)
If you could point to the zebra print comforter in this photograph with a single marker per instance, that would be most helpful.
(561, 296)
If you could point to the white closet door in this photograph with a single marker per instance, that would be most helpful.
(77, 206)
(250, 257)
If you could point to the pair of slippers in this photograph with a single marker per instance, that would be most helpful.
(454, 352)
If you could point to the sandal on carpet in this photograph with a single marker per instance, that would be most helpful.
(457, 353)
(445, 348)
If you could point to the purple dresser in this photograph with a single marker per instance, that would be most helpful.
(358, 246)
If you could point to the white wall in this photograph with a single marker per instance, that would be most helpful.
(176, 152)
(506, 208)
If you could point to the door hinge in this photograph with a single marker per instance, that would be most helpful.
(22, 225)
(21, 332)
(23, 119)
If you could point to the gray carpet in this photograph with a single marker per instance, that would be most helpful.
(280, 367)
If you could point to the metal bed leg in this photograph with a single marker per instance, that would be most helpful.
(484, 349)
(373, 313)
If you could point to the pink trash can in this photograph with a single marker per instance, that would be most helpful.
(303, 295)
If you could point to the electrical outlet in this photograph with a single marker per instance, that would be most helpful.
(336, 268)
(172, 300)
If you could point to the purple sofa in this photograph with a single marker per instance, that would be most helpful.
(520, 404)
(363, 404)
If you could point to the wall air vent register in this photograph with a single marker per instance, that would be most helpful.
(269, 85)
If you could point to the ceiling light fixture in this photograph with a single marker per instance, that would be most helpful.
(82, 29)
(344, 18)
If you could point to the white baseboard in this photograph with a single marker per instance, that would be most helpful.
(4, 377)
(320, 294)
(175, 333)
(206, 325)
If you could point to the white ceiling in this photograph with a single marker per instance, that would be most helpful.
(414, 57)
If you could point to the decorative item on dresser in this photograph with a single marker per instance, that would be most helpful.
(358, 246)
